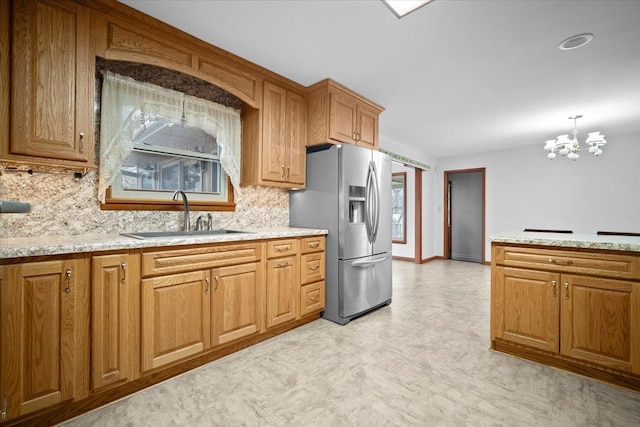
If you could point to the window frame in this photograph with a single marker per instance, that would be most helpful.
(404, 207)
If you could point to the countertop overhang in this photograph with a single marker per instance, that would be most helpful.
(584, 241)
(60, 245)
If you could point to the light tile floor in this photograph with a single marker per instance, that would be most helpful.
(424, 360)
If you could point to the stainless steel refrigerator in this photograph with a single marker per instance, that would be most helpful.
(348, 192)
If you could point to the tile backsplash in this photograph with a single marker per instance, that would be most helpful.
(62, 205)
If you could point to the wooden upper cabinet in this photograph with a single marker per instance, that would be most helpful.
(337, 115)
(342, 122)
(52, 84)
(44, 324)
(278, 157)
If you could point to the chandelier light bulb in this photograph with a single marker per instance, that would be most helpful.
(593, 149)
(551, 155)
(564, 151)
(598, 152)
(573, 156)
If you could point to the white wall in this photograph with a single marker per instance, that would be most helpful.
(526, 190)
(407, 250)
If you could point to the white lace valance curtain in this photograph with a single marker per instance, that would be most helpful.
(221, 122)
(125, 105)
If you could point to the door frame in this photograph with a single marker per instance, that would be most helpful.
(447, 232)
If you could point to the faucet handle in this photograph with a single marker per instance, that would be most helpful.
(209, 221)
(199, 223)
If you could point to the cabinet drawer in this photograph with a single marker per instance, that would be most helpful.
(278, 248)
(312, 298)
(180, 260)
(594, 263)
(312, 267)
(312, 244)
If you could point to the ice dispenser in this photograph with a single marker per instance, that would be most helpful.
(356, 204)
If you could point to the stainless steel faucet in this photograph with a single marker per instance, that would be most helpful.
(187, 219)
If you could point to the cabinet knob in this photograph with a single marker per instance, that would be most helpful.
(313, 298)
(206, 289)
(566, 289)
(314, 267)
(81, 147)
(217, 282)
(314, 245)
(553, 285)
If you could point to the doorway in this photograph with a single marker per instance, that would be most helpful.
(464, 213)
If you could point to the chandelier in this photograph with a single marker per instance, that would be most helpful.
(570, 147)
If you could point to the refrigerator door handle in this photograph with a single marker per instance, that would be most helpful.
(363, 263)
(368, 210)
(376, 191)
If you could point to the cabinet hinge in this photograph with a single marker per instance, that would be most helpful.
(3, 413)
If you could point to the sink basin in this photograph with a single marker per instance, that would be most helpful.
(178, 234)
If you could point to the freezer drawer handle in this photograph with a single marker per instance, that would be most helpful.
(368, 263)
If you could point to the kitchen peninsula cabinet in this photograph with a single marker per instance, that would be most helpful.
(44, 324)
(572, 308)
(51, 85)
(279, 160)
(115, 287)
(282, 281)
(337, 115)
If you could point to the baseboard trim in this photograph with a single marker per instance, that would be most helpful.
(607, 375)
(486, 262)
(433, 258)
(402, 258)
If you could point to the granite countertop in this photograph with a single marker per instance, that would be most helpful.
(57, 245)
(588, 241)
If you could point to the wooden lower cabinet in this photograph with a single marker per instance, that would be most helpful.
(527, 307)
(601, 321)
(175, 317)
(282, 290)
(236, 302)
(312, 298)
(581, 322)
(44, 324)
(115, 283)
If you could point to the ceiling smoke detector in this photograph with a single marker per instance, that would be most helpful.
(575, 42)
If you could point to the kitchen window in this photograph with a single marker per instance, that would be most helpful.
(398, 207)
(155, 141)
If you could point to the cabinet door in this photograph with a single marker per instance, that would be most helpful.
(274, 133)
(601, 321)
(367, 127)
(236, 302)
(282, 290)
(342, 117)
(42, 321)
(52, 81)
(175, 317)
(296, 125)
(112, 325)
(526, 306)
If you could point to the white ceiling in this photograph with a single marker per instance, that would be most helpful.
(455, 76)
